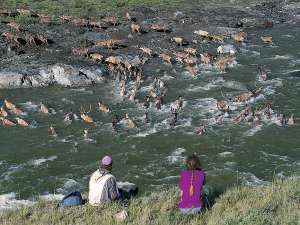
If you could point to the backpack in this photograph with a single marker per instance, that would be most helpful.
(72, 199)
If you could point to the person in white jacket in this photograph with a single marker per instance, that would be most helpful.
(103, 185)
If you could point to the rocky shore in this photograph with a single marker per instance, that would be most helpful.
(68, 55)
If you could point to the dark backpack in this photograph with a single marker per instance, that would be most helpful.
(72, 199)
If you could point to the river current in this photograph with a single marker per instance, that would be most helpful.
(152, 155)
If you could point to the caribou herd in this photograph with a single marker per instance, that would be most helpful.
(127, 70)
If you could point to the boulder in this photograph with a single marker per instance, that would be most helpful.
(121, 216)
(66, 75)
(10, 79)
(227, 49)
(62, 74)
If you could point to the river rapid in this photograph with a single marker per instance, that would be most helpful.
(152, 155)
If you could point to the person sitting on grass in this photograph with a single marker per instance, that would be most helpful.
(191, 182)
(103, 185)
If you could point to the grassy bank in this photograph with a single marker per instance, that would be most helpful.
(277, 203)
(84, 7)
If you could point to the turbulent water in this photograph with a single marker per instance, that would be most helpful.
(32, 162)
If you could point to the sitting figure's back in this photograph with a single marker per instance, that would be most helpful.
(103, 185)
(191, 183)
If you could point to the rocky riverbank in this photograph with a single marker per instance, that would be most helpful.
(72, 51)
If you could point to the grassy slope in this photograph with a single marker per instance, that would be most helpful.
(83, 7)
(277, 203)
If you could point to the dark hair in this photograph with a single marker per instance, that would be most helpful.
(107, 167)
(193, 162)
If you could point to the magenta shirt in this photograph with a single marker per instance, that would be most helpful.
(193, 201)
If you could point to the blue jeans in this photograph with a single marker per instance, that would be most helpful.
(190, 210)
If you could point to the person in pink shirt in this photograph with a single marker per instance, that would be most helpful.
(191, 182)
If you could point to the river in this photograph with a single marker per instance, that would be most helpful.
(152, 155)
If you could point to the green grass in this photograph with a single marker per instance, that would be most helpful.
(83, 7)
(25, 19)
(277, 203)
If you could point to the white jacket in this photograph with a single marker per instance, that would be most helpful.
(97, 188)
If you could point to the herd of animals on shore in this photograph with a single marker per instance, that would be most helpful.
(128, 72)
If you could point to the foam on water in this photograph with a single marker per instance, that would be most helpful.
(236, 85)
(280, 57)
(146, 132)
(253, 131)
(10, 171)
(168, 178)
(89, 140)
(67, 139)
(206, 87)
(248, 52)
(288, 35)
(31, 106)
(68, 101)
(51, 197)
(33, 124)
(187, 122)
(68, 183)
(82, 90)
(291, 71)
(166, 77)
(10, 201)
(271, 155)
(277, 82)
(275, 120)
(52, 111)
(176, 156)
(207, 105)
(146, 88)
(226, 154)
(250, 179)
(230, 164)
(38, 162)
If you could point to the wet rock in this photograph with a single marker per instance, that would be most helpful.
(61, 74)
(95, 76)
(161, 28)
(227, 49)
(226, 31)
(235, 85)
(30, 65)
(256, 23)
(10, 79)
(121, 216)
(67, 75)
(39, 81)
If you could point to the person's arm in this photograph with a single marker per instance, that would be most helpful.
(204, 179)
(113, 189)
(179, 184)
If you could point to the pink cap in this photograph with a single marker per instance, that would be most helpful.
(106, 160)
